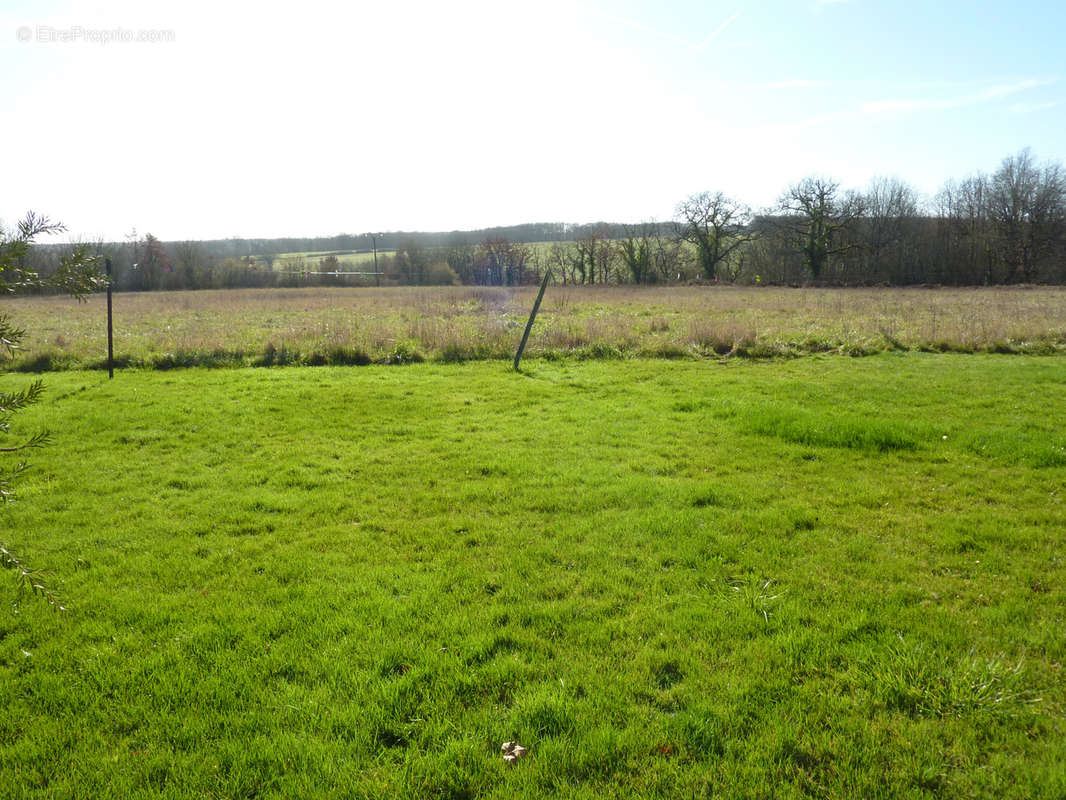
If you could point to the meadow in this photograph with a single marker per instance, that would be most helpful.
(811, 577)
(402, 324)
(346, 259)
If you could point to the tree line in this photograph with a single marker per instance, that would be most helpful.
(1006, 227)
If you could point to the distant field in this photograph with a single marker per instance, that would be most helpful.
(346, 259)
(350, 259)
(346, 325)
(820, 577)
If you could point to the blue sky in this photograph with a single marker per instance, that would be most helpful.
(309, 119)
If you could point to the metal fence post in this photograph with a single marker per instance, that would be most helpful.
(110, 336)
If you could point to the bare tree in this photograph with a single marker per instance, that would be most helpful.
(889, 214)
(562, 259)
(192, 266)
(594, 257)
(501, 262)
(153, 263)
(1027, 206)
(462, 258)
(669, 257)
(717, 225)
(606, 261)
(965, 232)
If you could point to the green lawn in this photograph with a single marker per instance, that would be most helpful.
(823, 577)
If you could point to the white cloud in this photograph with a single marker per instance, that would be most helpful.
(717, 31)
(1032, 108)
(640, 26)
(912, 105)
(797, 83)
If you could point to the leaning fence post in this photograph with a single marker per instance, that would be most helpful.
(532, 316)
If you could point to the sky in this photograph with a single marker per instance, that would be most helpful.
(200, 120)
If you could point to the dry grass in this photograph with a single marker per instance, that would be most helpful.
(457, 323)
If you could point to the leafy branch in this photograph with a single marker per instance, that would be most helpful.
(78, 274)
(28, 579)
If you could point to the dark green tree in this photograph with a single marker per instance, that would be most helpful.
(819, 219)
(717, 225)
(636, 253)
(78, 274)
(410, 262)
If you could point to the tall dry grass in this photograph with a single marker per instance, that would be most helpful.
(456, 323)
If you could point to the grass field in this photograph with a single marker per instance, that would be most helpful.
(346, 259)
(817, 577)
(352, 326)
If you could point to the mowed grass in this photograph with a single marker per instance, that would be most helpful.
(354, 326)
(821, 577)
